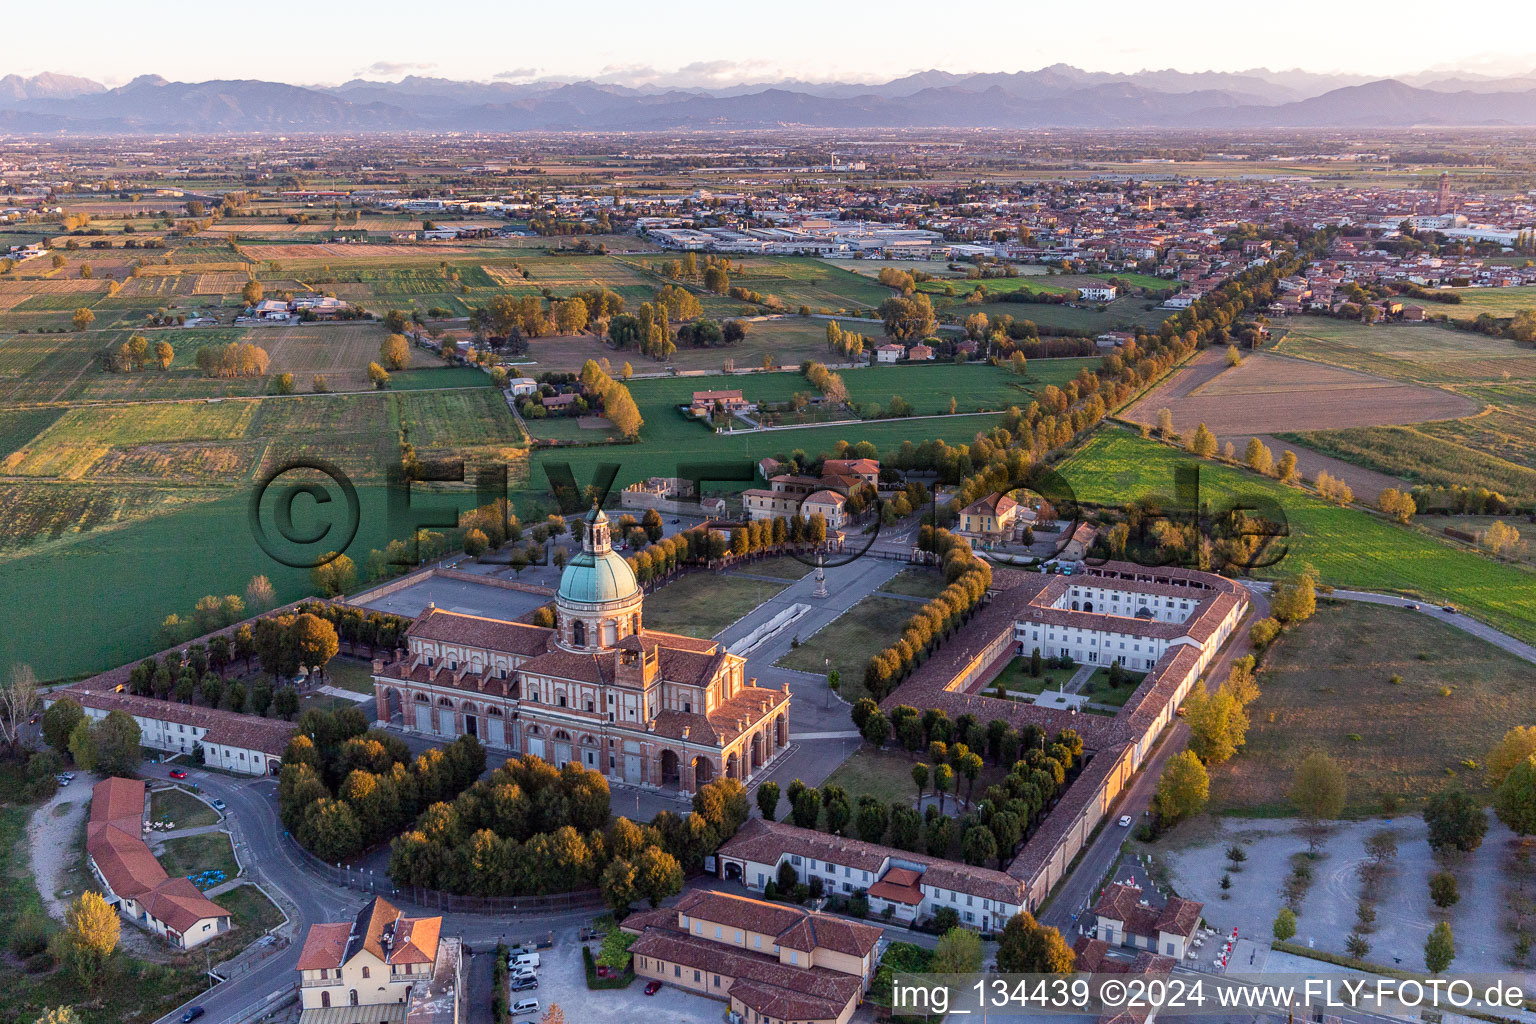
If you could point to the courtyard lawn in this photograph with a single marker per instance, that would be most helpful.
(177, 805)
(1327, 685)
(1347, 546)
(915, 583)
(886, 775)
(701, 604)
(192, 855)
(846, 643)
(1015, 677)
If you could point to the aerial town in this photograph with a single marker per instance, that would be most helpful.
(547, 547)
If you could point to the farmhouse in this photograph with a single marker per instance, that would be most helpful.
(705, 402)
(248, 744)
(133, 880)
(1098, 293)
(770, 961)
(520, 386)
(920, 353)
(889, 353)
(642, 707)
(403, 968)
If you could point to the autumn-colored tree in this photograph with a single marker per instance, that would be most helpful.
(83, 318)
(90, 935)
(395, 351)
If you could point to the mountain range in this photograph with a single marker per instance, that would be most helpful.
(1059, 96)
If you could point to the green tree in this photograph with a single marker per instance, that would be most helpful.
(1455, 821)
(1294, 598)
(1183, 788)
(958, 952)
(59, 721)
(920, 778)
(1440, 949)
(1318, 791)
(978, 845)
(805, 808)
(658, 875)
(1514, 801)
(335, 575)
(876, 729)
(768, 800)
(1443, 890)
(1203, 442)
(617, 884)
(1285, 924)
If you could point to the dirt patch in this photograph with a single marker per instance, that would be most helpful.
(1271, 393)
(594, 423)
(51, 841)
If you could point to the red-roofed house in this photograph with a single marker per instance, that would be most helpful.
(770, 961)
(1126, 918)
(134, 881)
(381, 958)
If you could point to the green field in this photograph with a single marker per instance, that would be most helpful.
(975, 387)
(915, 583)
(1499, 302)
(701, 604)
(1328, 686)
(1349, 547)
(847, 642)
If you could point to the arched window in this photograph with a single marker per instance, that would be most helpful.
(422, 698)
(325, 999)
(352, 995)
(579, 633)
(365, 970)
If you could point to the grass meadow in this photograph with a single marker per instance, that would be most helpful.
(1327, 685)
(1349, 547)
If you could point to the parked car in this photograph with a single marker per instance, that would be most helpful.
(218, 805)
(652, 988)
(192, 1013)
(1448, 608)
(526, 1006)
(517, 960)
(177, 773)
(1411, 606)
(1125, 821)
(523, 983)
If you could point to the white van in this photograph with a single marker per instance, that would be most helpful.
(526, 1006)
(520, 960)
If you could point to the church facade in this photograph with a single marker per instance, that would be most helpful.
(643, 707)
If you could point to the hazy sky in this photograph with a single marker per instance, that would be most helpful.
(688, 42)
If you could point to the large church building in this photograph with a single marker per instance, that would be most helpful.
(642, 707)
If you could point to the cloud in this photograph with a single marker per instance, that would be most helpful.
(516, 74)
(390, 68)
(716, 74)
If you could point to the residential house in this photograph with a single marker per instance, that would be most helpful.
(1098, 293)
(989, 519)
(403, 969)
(1124, 917)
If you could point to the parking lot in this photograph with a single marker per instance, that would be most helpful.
(562, 981)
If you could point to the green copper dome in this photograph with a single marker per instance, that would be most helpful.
(597, 574)
(591, 578)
